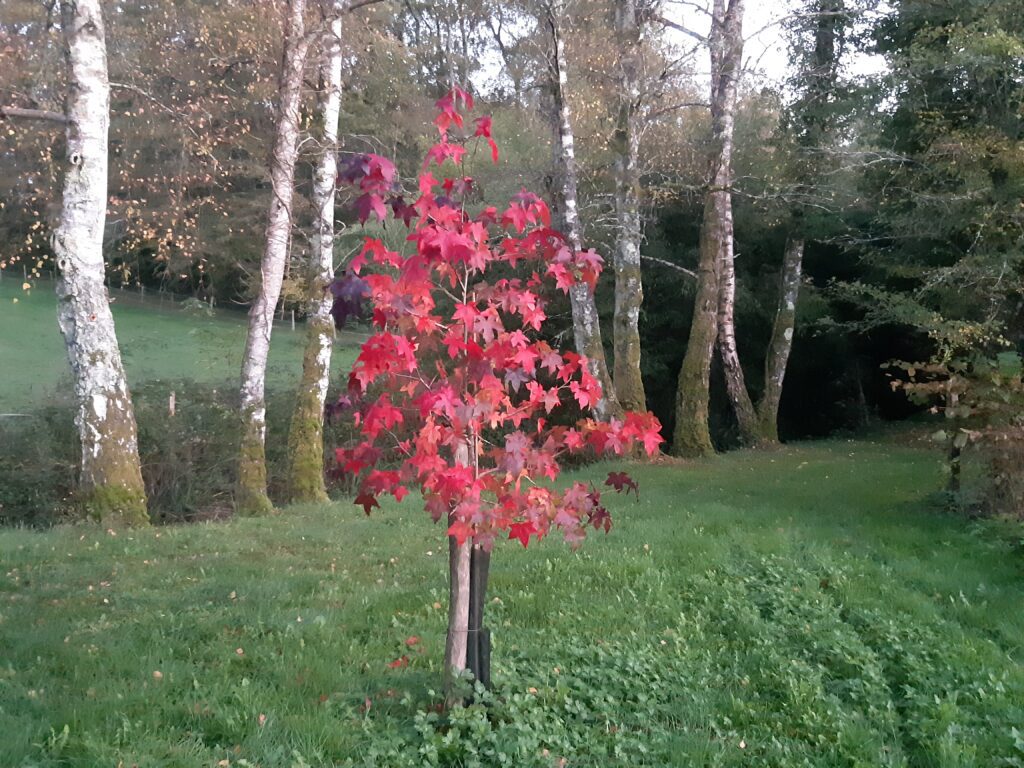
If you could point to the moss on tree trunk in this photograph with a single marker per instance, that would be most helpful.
(306, 434)
(251, 498)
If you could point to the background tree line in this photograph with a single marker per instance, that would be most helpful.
(771, 246)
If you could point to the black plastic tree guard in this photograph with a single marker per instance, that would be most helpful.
(478, 645)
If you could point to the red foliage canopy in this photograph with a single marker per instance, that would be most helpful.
(470, 392)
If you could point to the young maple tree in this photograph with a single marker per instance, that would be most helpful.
(456, 392)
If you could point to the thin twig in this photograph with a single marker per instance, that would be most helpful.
(670, 265)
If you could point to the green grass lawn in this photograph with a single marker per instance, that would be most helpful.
(158, 340)
(806, 607)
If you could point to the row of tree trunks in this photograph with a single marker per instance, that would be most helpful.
(585, 322)
(251, 491)
(629, 294)
(305, 437)
(110, 484)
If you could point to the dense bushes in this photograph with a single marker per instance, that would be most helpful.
(187, 457)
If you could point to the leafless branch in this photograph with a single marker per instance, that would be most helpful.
(676, 26)
(32, 114)
(672, 108)
(670, 265)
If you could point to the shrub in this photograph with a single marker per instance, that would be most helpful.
(187, 458)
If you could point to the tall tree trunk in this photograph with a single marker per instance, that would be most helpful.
(629, 293)
(824, 24)
(735, 381)
(110, 483)
(781, 342)
(585, 322)
(251, 492)
(692, 436)
(305, 437)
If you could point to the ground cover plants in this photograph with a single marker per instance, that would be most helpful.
(803, 607)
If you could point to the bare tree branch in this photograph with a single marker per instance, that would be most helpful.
(651, 16)
(673, 107)
(670, 265)
(32, 114)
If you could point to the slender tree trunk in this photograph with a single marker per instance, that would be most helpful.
(306, 435)
(735, 381)
(110, 483)
(629, 292)
(251, 492)
(585, 321)
(781, 343)
(825, 24)
(456, 644)
(731, 43)
(954, 457)
(692, 435)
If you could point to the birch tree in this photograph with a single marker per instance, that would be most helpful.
(629, 386)
(305, 438)
(585, 321)
(692, 435)
(251, 492)
(819, 33)
(818, 37)
(110, 479)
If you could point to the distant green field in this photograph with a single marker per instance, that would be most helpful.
(797, 608)
(159, 341)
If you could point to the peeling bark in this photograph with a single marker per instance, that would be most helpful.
(585, 321)
(692, 435)
(305, 436)
(735, 381)
(251, 490)
(629, 296)
(781, 343)
(110, 484)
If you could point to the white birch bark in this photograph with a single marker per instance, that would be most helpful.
(629, 294)
(781, 342)
(730, 61)
(585, 321)
(111, 479)
(251, 492)
(305, 439)
(692, 436)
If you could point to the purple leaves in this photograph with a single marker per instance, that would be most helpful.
(348, 291)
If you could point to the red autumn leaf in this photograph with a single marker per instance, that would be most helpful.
(461, 531)
(399, 663)
(483, 126)
(620, 481)
(367, 502)
(412, 640)
(370, 203)
(522, 531)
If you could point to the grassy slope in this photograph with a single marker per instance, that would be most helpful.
(803, 607)
(158, 341)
